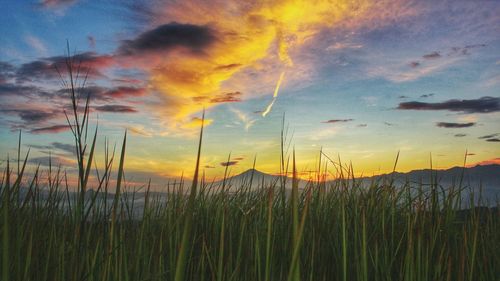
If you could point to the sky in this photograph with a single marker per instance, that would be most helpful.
(358, 80)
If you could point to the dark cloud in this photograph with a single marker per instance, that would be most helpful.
(363, 125)
(493, 140)
(6, 71)
(227, 97)
(50, 130)
(433, 55)
(37, 70)
(209, 167)
(95, 92)
(116, 108)
(222, 98)
(228, 66)
(389, 124)
(460, 135)
(123, 92)
(403, 97)
(474, 46)
(228, 163)
(128, 80)
(16, 90)
(455, 125)
(414, 64)
(106, 94)
(35, 115)
(488, 136)
(200, 99)
(31, 116)
(239, 158)
(169, 36)
(427, 95)
(481, 105)
(47, 68)
(331, 121)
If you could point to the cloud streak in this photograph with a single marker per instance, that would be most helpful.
(229, 163)
(481, 105)
(47, 68)
(431, 56)
(332, 121)
(55, 129)
(454, 125)
(115, 108)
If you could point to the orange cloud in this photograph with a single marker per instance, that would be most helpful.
(201, 49)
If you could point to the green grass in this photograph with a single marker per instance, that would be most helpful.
(337, 231)
(343, 233)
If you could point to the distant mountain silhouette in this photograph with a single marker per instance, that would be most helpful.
(484, 178)
(485, 174)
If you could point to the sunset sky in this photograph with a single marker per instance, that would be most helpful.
(360, 79)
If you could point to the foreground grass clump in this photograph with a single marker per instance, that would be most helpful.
(341, 232)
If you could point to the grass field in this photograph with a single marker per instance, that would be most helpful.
(276, 232)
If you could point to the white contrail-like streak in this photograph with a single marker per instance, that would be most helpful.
(275, 95)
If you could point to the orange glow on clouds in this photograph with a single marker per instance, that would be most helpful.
(247, 34)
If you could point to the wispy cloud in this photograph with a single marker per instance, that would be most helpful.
(140, 130)
(398, 70)
(37, 44)
(247, 121)
(323, 134)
